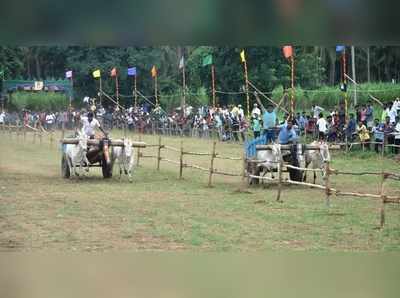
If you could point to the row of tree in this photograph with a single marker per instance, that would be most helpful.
(315, 67)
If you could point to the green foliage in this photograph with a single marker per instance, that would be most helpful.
(39, 101)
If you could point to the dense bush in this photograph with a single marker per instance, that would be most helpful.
(39, 101)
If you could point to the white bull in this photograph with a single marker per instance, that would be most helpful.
(317, 158)
(124, 157)
(76, 154)
(270, 160)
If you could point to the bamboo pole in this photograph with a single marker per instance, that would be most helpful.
(382, 211)
(138, 152)
(181, 161)
(292, 105)
(159, 153)
(280, 170)
(213, 84)
(211, 164)
(327, 184)
(135, 83)
(51, 139)
(247, 88)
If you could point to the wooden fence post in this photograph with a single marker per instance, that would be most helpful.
(62, 130)
(24, 132)
(181, 161)
(51, 139)
(138, 151)
(159, 153)
(280, 170)
(212, 164)
(40, 137)
(327, 184)
(382, 222)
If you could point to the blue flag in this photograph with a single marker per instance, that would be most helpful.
(132, 71)
(340, 49)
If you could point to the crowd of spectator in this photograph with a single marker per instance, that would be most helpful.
(229, 123)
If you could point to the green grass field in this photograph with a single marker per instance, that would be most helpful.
(41, 211)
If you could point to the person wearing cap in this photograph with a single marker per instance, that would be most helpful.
(241, 111)
(256, 110)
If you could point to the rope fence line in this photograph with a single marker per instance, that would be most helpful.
(329, 191)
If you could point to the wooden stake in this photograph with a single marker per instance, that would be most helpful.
(159, 153)
(138, 152)
(280, 170)
(211, 164)
(181, 161)
(135, 83)
(327, 184)
(382, 211)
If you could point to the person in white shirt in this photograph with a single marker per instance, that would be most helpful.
(50, 118)
(397, 135)
(241, 111)
(322, 127)
(90, 124)
(2, 117)
(316, 111)
(256, 110)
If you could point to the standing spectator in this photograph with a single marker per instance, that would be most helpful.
(377, 130)
(388, 130)
(351, 128)
(241, 111)
(50, 119)
(369, 116)
(363, 134)
(316, 111)
(256, 125)
(256, 110)
(2, 117)
(322, 127)
(242, 127)
(397, 135)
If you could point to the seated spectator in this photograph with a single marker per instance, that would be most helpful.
(363, 134)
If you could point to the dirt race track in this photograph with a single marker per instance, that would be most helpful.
(41, 211)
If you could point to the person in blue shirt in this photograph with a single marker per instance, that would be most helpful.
(351, 128)
(269, 119)
(287, 133)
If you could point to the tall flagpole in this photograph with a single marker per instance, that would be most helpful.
(247, 87)
(292, 95)
(70, 95)
(183, 104)
(116, 87)
(134, 80)
(155, 88)
(345, 84)
(101, 90)
(213, 84)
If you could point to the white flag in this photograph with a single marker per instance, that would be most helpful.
(182, 63)
(68, 74)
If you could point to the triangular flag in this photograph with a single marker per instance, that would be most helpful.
(182, 63)
(287, 51)
(340, 49)
(242, 56)
(154, 71)
(113, 72)
(68, 74)
(96, 74)
(132, 71)
(208, 60)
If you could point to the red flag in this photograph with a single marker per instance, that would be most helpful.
(287, 51)
(114, 72)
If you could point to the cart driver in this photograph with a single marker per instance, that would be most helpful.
(287, 134)
(90, 124)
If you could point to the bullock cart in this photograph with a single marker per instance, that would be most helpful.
(98, 154)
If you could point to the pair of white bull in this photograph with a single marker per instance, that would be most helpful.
(122, 156)
(314, 158)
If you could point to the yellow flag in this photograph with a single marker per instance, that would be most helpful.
(96, 73)
(154, 71)
(242, 56)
